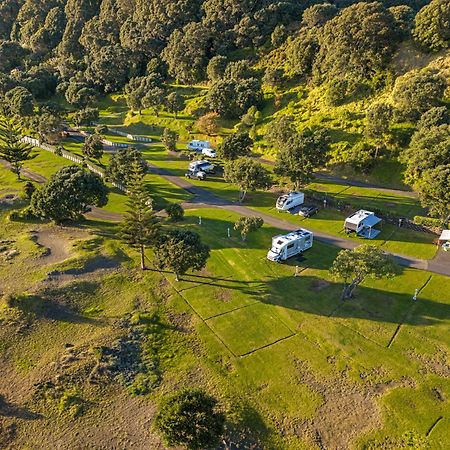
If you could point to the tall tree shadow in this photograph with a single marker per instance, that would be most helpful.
(8, 409)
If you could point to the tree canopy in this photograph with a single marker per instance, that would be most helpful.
(247, 174)
(190, 418)
(180, 251)
(68, 194)
(365, 261)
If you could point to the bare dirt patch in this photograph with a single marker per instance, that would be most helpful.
(56, 243)
(348, 409)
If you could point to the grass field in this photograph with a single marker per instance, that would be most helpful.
(286, 356)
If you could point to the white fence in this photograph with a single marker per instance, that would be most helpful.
(71, 157)
(114, 144)
(132, 137)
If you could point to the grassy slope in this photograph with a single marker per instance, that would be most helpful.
(304, 350)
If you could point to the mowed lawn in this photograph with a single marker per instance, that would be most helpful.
(294, 347)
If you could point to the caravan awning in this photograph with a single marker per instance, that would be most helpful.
(371, 221)
(445, 235)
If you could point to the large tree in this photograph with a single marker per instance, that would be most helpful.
(300, 155)
(139, 228)
(358, 41)
(12, 148)
(174, 103)
(434, 191)
(432, 25)
(235, 145)
(20, 101)
(190, 418)
(247, 174)
(187, 53)
(93, 146)
(208, 123)
(120, 167)
(232, 98)
(365, 261)
(180, 251)
(68, 194)
(428, 149)
(418, 91)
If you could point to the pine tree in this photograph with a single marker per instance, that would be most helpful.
(12, 149)
(139, 228)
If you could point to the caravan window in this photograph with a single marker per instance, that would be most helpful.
(290, 246)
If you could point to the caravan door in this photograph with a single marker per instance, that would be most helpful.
(292, 249)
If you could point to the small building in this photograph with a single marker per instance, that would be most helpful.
(362, 223)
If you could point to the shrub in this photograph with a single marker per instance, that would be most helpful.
(175, 212)
(189, 418)
(428, 222)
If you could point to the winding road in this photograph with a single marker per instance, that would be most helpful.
(204, 198)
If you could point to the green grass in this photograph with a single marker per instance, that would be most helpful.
(285, 346)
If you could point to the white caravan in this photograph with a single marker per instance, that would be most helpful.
(198, 145)
(285, 246)
(289, 201)
(203, 165)
(362, 223)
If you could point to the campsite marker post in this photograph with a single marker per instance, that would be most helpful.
(296, 271)
(228, 232)
(415, 294)
(199, 220)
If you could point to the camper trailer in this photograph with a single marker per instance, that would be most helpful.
(362, 223)
(198, 145)
(287, 245)
(289, 201)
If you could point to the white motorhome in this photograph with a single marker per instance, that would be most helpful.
(362, 223)
(285, 246)
(198, 145)
(203, 166)
(289, 201)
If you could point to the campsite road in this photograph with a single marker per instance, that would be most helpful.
(203, 198)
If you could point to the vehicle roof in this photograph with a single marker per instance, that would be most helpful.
(359, 216)
(292, 236)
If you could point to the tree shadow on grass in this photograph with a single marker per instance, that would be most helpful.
(322, 297)
(62, 304)
(8, 409)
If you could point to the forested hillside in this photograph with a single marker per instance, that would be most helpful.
(224, 224)
(363, 73)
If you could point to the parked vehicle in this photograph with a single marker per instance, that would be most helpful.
(446, 247)
(203, 166)
(198, 145)
(289, 201)
(308, 210)
(362, 222)
(209, 152)
(195, 174)
(287, 245)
